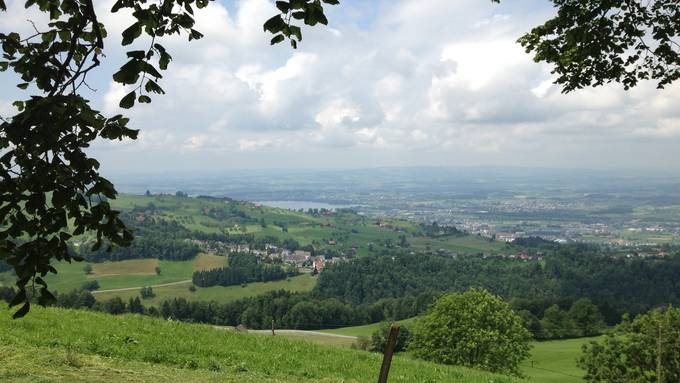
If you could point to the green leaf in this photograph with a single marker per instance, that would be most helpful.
(3, 7)
(139, 55)
(131, 33)
(128, 73)
(3, 66)
(144, 99)
(277, 39)
(48, 37)
(275, 24)
(195, 35)
(128, 101)
(22, 311)
(283, 6)
(23, 85)
(296, 31)
(152, 86)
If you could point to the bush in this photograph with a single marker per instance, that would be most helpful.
(473, 329)
(379, 338)
(146, 293)
(90, 285)
(630, 353)
(362, 343)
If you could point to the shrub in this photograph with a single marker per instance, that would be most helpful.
(473, 329)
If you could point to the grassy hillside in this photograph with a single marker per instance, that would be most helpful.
(219, 294)
(53, 345)
(365, 330)
(348, 230)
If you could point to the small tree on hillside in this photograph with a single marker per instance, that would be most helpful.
(380, 336)
(586, 318)
(645, 351)
(146, 293)
(474, 329)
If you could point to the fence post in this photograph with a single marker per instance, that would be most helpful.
(273, 328)
(389, 350)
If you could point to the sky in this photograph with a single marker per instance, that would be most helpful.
(387, 83)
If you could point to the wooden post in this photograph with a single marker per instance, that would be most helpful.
(389, 350)
(273, 328)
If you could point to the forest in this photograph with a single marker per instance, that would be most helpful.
(154, 238)
(615, 284)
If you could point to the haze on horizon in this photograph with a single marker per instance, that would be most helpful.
(389, 83)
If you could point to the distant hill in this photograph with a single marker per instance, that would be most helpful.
(55, 345)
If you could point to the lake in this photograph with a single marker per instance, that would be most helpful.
(305, 205)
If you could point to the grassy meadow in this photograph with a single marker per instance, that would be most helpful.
(56, 345)
(365, 330)
(555, 361)
(220, 294)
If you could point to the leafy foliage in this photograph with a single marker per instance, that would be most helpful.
(380, 338)
(46, 178)
(310, 12)
(645, 350)
(473, 329)
(590, 43)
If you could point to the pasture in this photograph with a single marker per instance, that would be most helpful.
(55, 345)
(555, 361)
(220, 294)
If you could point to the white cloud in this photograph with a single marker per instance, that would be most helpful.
(436, 81)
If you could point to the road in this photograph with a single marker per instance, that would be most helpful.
(137, 288)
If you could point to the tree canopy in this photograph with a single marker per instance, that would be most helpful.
(645, 350)
(51, 189)
(474, 329)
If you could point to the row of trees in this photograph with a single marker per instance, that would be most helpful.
(287, 309)
(243, 268)
(582, 318)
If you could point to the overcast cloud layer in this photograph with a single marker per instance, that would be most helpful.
(388, 83)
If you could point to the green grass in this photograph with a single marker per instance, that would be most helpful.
(365, 330)
(56, 345)
(71, 275)
(555, 361)
(219, 294)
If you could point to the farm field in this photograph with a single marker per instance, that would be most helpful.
(127, 277)
(220, 294)
(91, 346)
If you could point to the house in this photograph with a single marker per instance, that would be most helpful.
(298, 257)
(319, 263)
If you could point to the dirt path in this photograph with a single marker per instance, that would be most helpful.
(300, 332)
(137, 288)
